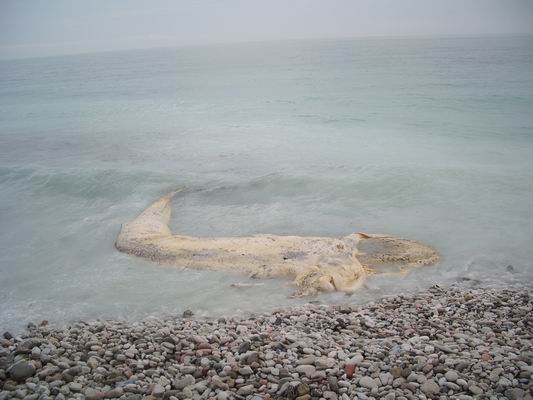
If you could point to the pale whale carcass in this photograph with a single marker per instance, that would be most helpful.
(313, 264)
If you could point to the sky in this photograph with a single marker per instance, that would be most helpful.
(34, 28)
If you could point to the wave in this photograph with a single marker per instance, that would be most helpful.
(82, 182)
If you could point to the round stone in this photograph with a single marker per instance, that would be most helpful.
(21, 371)
(307, 370)
(430, 387)
(451, 376)
(367, 382)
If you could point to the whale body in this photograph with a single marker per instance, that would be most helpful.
(313, 264)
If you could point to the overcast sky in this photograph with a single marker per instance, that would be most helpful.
(31, 28)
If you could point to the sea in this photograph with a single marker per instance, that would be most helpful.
(427, 138)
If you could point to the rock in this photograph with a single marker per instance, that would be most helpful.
(309, 360)
(307, 370)
(396, 372)
(218, 383)
(252, 357)
(303, 389)
(430, 387)
(244, 347)
(114, 393)
(355, 360)
(158, 390)
(93, 394)
(324, 362)
(246, 371)
(223, 396)
(452, 386)
(187, 314)
(369, 323)
(349, 370)
(494, 375)
(329, 395)
(367, 382)
(188, 370)
(36, 353)
(451, 376)
(187, 380)
(386, 378)
(21, 371)
(187, 392)
(333, 384)
(92, 362)
(475, 389)
(164, 381)
(515, 393)
(75, 387)
(246, 390)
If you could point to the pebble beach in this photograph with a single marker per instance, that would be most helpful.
(445, 342)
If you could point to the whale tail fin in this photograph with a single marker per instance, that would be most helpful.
(150, 224)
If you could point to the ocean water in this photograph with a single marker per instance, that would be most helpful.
(425, 138)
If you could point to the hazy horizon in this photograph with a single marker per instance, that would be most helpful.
(267, 41)
(38, 29)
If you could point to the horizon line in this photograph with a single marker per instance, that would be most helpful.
(266, 41)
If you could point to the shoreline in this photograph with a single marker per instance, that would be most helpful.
(442, 342)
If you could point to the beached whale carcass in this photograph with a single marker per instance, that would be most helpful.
(314, 264)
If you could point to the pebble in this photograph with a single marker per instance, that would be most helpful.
(223, 396)
(308, 370)
(475, 389)
(246, 371)
(188, 380)
(158, 390)
(246, 390)
(21, 371)
(218, 383)
(367, 382)
(444, 342)
(75, 386)
(451, 376)
(430, 387)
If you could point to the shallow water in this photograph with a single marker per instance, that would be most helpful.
(430, 139)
